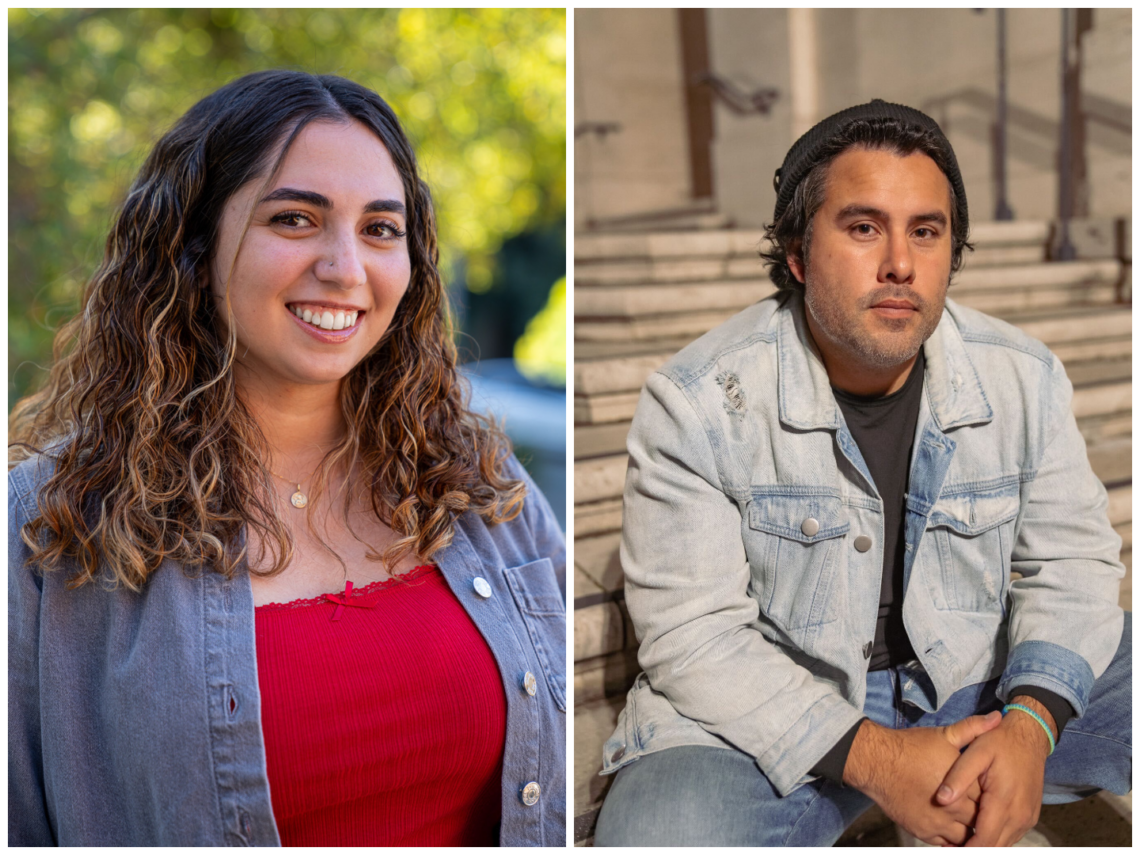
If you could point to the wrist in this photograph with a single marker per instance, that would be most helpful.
(871, 752)
(1025, 724)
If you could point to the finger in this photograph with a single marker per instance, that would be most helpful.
(970, 766)
(956, 834)
(989, 825)
(962, 733)
(964, 811)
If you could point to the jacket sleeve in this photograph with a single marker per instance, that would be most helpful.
(1065, 621)
(543, 525)
(687, 579)
(28, 823)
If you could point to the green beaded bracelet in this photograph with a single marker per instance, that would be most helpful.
(1041, 721)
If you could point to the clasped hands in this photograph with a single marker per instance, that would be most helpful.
(986, 795)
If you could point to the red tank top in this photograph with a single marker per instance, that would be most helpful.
(384, 717)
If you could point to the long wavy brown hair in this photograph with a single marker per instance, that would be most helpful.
(155, 455)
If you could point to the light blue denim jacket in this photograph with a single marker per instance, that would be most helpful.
(134, 719)
(755, 634)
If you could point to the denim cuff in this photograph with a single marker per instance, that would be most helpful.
(1048, 666)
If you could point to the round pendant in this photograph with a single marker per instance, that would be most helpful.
(299, 499)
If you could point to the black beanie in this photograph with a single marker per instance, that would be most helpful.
(807, 150)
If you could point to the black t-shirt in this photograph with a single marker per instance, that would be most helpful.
(883, 428)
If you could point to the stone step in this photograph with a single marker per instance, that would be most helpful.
(590, 247)
(1100, 330)
(638, 300)
(599, 619)
(597, 517)
(1094, 399)
(593, 724)
(1092, 285)
(602, 440)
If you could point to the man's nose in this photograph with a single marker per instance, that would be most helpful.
(898, 261)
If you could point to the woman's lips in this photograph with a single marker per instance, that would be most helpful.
(327, 336)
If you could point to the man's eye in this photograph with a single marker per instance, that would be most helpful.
(924, 233)
(864, 229)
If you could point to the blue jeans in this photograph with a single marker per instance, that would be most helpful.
(701, 796)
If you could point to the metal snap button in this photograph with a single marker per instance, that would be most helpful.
(862, 543)
(810, 527)
(482, 587)
(530, 794)
(529, 683)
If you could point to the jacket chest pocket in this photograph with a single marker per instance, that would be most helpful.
(794, 545)
(973, 534)
(539, 601)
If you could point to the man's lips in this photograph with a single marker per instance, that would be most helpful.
(895, 304)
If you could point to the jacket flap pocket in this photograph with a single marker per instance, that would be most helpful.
(536, 589)
(791, 516)
(973, 513)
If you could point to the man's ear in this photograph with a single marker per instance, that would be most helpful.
(796, 262)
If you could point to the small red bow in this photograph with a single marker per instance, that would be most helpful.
(344, 599)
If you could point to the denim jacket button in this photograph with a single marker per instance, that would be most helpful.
(530, 794)
(810, 527)
(529, 683)
(482, 588)
(862, 543)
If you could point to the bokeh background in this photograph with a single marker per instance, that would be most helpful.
(481, 94)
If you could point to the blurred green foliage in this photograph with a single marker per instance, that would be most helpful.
(481, 94)
(540, 352)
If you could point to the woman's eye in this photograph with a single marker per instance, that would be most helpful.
(293, 219)
(386, 230)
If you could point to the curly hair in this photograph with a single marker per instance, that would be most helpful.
(156, 456)
(790, 233)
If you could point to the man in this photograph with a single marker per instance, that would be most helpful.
(826, 498)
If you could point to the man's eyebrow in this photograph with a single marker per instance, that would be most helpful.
(852, 211)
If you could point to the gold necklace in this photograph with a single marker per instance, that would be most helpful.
(299, 499)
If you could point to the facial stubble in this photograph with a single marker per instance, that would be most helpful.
(873, 341)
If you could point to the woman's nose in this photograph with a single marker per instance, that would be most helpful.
(340, 264)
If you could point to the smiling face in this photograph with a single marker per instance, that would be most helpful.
(878, 266)
(326, 242)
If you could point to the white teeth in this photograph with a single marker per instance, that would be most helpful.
(327, 320)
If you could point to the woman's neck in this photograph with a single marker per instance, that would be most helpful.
(300, 423)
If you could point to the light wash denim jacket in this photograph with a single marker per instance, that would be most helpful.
(134, 719)
(755, 634)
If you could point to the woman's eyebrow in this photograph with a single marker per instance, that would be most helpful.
(389, 206)
(289, 194)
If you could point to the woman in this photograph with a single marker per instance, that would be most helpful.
(270, 581)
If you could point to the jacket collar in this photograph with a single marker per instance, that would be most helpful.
(953, 388)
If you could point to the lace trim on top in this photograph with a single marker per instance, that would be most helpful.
(355, 597)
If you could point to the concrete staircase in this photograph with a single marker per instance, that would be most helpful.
(640, 297)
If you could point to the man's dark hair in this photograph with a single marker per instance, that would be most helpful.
(790, 232)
